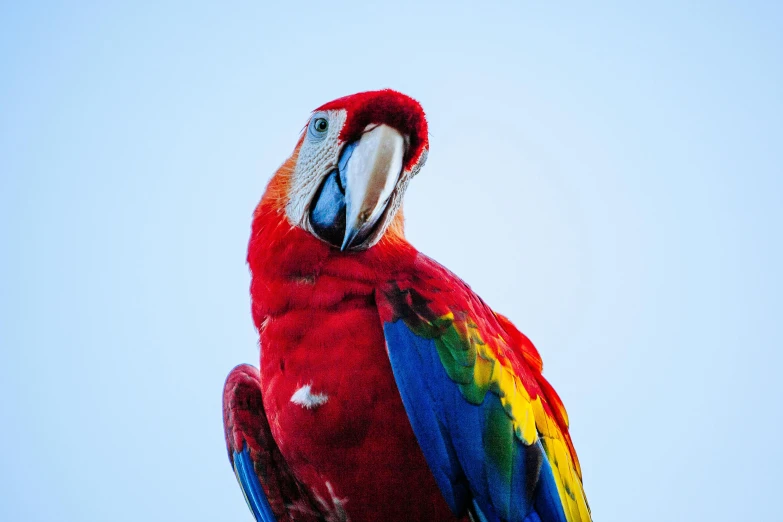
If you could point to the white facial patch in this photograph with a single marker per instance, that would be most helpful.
(317, 157)
(307, 399)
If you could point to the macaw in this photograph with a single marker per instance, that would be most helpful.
(387, 389)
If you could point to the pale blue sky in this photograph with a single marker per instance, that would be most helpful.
(607, 175)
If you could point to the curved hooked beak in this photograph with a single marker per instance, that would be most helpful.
(371, 175)
(354, 197)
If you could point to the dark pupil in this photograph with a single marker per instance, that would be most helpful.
(320, 125)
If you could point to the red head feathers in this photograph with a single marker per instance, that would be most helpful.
(346, 179)
(385, 106)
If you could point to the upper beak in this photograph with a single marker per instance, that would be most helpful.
(370, 175)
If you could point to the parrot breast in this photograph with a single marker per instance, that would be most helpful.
(328, 388)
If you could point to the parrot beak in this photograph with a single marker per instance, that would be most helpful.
(353, 197)
(371, 172)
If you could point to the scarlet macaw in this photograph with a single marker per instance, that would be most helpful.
(387, 389)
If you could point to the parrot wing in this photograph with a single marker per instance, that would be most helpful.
(493, 431)
(271, 491)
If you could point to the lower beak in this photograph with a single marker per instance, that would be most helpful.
(370, 177)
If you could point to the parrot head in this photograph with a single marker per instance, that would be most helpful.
(352, 165)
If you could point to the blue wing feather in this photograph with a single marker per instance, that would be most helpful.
(427, 424)
(450, 432)
(251, 487)
(547, 500)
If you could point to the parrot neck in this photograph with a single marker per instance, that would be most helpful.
(292, 269)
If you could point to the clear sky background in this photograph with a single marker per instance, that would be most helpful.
(607, 175)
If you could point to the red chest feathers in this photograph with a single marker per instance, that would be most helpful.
(326, 378)
(335, 411)
(328, 388)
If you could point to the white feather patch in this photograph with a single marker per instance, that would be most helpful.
(316, 159)
(307, 399)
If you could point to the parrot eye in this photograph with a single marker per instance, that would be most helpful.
(321, 125)
(318, 127)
